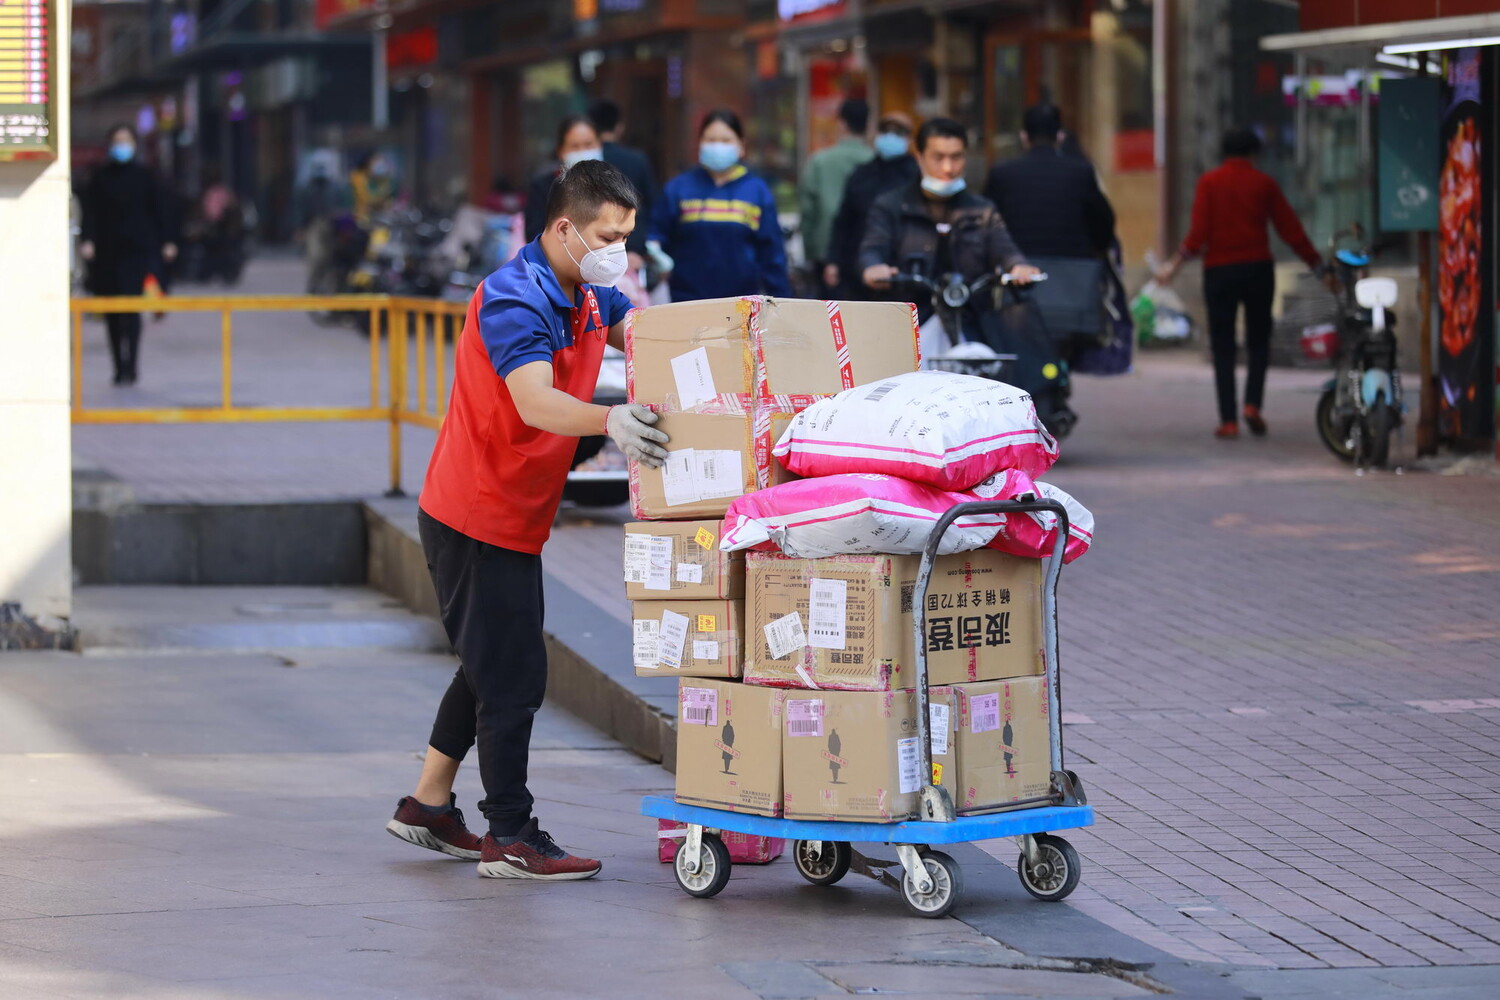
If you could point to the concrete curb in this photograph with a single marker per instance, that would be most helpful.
(588, 649)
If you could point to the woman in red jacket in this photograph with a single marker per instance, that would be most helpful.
(1231, 208)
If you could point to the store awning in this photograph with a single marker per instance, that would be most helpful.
(226, 52)
(1369, 37)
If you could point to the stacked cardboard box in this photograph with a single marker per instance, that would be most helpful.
(726, 376)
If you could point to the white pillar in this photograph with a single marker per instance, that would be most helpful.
(36, 503)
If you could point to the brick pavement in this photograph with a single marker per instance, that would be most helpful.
(1282, 677)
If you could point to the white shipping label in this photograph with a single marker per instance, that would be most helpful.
(678, 482)
(674, 630)
(804, 717)
(910, 761)
(717, 474)
(700, 706)
(826, 613)
(689, 573)
(785, 635)
(637, 558)
(659, 573)
(645, 646)
(937, 725)
(695, 381)
(984, 713)
(705, 650)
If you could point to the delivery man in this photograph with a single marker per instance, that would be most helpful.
(524, 370)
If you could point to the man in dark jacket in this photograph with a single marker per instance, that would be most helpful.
(893, 167)
(633, 163)
(905, 223)
(1051, 202)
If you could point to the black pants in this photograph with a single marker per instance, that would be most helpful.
(124, 342)
(1225, 288)
(490, 600)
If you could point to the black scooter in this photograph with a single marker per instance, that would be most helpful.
(1016, 348)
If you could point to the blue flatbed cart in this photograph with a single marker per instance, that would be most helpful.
(930, 881)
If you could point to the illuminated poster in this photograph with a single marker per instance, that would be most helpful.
(1465, 386)
(26, 44)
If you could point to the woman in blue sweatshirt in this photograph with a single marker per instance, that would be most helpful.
(718, 221)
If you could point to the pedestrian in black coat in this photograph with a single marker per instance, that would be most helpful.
(128, 232)
(634, 164)
(1050, 201)
(892, 167)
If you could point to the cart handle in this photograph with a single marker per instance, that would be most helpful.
(937, 804)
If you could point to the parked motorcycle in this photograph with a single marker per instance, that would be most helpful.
(1362, 405)
(1005, 341)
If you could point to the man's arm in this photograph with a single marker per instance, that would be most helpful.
(617, 336)
(544, 407)
(1003, 250)
(878, 246)
(1289, 228)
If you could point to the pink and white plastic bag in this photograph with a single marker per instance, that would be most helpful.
(941, 429)
(857, 514)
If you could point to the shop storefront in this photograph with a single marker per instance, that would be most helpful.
(1443, 193)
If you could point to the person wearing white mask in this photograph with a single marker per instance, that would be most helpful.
(906, 223)
(717, 222)
(525, 368)
(577, 141)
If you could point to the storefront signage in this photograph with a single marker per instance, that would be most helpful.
(1408, 157)
(790, 10)
(27, 47)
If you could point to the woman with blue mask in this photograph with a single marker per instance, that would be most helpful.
(577, 140)
(128, 232)
(717, 222)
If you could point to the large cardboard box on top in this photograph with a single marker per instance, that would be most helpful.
(845, 622)
(729, 746)
(991, 742)
(727, 375)
(688, 638)
(851, 755)
(681, 560)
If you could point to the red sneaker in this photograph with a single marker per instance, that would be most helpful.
(532, 854)
(1255, 421)
(436, 831)
(1229, 430)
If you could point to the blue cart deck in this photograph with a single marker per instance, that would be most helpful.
(964, 829)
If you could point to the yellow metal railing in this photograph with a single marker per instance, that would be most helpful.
(401, 329)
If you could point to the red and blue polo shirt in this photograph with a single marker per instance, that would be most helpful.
(492, 477)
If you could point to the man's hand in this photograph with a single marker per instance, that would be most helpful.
(169, 252)
(830, 275)
(86, 249)
(1168, 271)
(629, 425)
(1024, 274)
(879, 275)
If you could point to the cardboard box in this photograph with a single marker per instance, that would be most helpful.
(685, 354)
(710, 461)
(851, 755)
(729, 746)
(728, 374)
(744, 848)
(845, 622)
(990, 742)
(681, 560)
(688, 638)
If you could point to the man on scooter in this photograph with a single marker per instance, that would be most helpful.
(905, 225)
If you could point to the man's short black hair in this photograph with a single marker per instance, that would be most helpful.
(945, 128)
(855, 114)
(1240, 142)
(1042, 122)
(585, 188)
(605, 114)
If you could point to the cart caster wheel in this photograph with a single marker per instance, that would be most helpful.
(826, 865)
(947, 883)
(1058, 872)
(713, 868)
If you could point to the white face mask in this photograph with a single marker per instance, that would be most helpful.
(603, 266)
(573, 158)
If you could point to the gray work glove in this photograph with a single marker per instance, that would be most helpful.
(629, 426)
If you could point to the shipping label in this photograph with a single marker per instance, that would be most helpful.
(637, 558)
(705, 650)
(717, 474)
(827, 610)
(674, 630)
(705, 539)
(678, 482)
(804, 717)
(695, 380)
(706, 623)
(984, 713)
(784, 635)
(909, 760)
(659, 572)
(645, 646)
(937, 725)
(689, 573)
(700, 706)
